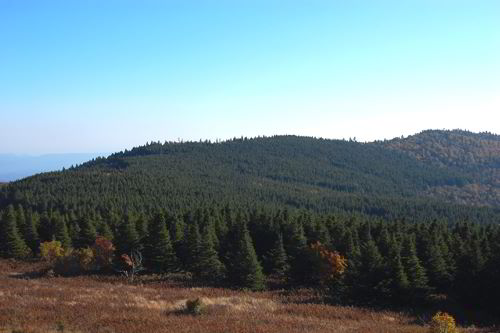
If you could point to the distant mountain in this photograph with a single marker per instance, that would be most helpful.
(476, 155)
(14, 167)
(430, 175)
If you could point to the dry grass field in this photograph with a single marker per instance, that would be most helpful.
(110, 304)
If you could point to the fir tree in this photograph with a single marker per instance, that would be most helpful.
(104, 230)
(88, 233)
(245, 270)
(278, 259)
(209, 267)
(61, 231)
(192, 246)
(30, 232)
(158, 252)
(397, 275)
(11, 243)
(369, 279)
(417, 277)
(437, 268)
(127, 239)
(299, 255)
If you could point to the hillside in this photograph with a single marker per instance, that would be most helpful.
(361, 223)
(477, 155)
(394, 179)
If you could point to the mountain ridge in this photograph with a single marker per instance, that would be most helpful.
(378, 178)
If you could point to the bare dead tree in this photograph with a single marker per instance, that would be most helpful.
(131, 265)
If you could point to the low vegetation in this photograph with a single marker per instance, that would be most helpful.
(37, 304)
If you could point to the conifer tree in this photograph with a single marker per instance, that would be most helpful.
(244, 269)
(127, 239)
(88, 233)
(158, 251)
(104, 230)
(369, 281)
(397, 275)
(209, 268)
(298, 252)
(61, 231)
(11, 243)
(142, 227)
(278, 259)
(192, 247)
(384, 240)
(20, 219)
(176, 227)
(417, 277)
(437, 267)
(30, 232)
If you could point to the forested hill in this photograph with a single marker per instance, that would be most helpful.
(393, 179)
(476, 155)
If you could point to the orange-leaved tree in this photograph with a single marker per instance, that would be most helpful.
(104, 251)
(329, 264)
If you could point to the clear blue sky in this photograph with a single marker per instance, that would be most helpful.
(94, 76)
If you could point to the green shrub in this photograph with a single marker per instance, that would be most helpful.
(195, 306)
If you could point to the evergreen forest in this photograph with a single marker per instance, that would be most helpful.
(383, 223)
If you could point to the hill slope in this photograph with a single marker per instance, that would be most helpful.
(391, 179)
(476, 155)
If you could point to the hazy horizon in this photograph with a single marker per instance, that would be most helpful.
(106, 76)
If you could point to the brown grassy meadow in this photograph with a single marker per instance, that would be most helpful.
(111, 304)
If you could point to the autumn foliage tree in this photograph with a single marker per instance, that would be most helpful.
(329, 264)
(103, 250)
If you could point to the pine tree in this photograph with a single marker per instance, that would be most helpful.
(159, 254)
(244, 269)
(11, 243)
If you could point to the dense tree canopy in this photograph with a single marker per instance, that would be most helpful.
(247, 212)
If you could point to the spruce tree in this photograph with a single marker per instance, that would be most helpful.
(209, 268)
(159, 254)
(299, 254)
(127, 239)
(192, 248)
(88, 233)
(417, 277)
(244, 269)
(30, 232)
(278, 260)
(61, 231)
(11, 243)
(104, 230)
(369, 281)
(397, 275)
(437, 268)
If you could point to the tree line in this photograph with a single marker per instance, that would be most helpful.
(352, 258)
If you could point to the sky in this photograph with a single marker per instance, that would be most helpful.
(93, 76)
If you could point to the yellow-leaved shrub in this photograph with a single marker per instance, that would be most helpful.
(442, 322)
